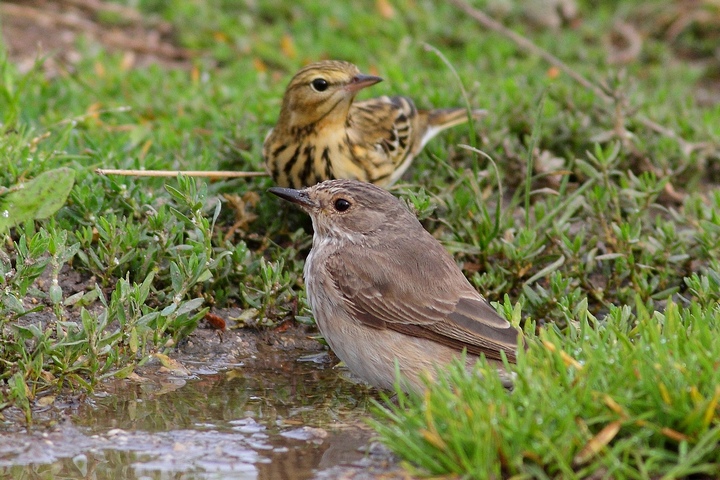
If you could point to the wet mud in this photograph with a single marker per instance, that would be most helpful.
(239, 405)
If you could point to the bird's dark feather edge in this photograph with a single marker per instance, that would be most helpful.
(388, 123)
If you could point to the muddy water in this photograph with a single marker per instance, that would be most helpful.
(282, 420)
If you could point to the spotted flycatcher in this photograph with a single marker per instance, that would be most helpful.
(383, 290)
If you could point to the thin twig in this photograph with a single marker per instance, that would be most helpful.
(526, 44)
(529, 46)
(174, 173)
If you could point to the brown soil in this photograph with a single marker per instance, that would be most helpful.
(49, 30)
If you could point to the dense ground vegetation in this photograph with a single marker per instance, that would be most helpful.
(592, 215)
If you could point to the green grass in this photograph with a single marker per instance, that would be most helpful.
(587, 243)
(634, 396)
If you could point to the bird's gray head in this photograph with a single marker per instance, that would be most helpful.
(351, 210)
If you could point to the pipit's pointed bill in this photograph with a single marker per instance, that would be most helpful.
(322, 134)
(382, 289)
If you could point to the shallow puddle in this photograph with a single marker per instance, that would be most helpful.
(289, 420)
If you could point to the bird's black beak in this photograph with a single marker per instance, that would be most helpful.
(298, 197)
(361, 81)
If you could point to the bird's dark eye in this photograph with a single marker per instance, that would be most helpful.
(341, 204)
(319, 84)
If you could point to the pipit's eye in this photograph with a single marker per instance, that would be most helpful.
(341, 204)
(319, 84)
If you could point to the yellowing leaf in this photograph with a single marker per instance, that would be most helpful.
(614, 406)
(145, 148)
(220, 37)
(674, 434)
(45, 401)
(287, 46)
(134, 343)
(434, 439)
(99, 69)
(597, 443)
(566, 358)
(711, 408)
(665, 394)
(128, 61)
(175, 367)
(385, 9)
(195, 75)
(259, 65)
(570, 361)
(696, 395)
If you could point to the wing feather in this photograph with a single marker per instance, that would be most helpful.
(452, 314)
(385, 132)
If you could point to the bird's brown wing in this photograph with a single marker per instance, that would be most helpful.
(383, 132)
(422, 293)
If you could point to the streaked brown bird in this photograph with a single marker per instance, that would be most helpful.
(382, 289)
(322, 134)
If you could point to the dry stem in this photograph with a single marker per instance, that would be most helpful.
(213, 174)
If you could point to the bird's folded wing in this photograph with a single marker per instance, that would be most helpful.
(457, 319)
(386, 125)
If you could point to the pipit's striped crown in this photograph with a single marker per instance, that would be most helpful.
(323, 134)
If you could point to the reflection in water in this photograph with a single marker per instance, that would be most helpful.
(285, 422)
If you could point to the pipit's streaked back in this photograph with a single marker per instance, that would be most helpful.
(382, 289)
(321, 134)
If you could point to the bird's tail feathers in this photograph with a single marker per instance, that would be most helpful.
(440, 119)
(449, 117)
